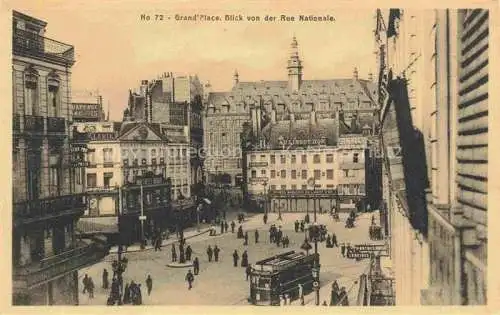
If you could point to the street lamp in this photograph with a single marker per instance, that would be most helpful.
(312, 182)
(266, 196)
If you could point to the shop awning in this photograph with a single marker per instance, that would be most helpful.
(107, 225)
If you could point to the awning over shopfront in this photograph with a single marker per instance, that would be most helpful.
(95, 225)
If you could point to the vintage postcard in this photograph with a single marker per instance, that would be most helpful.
(248, 154)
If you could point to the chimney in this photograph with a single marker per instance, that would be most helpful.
(355, 73)
(236, 79)
(273, 116)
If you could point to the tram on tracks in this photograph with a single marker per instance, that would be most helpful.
(281, 274)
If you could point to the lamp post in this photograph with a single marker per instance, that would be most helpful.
(266, 196)
(142, 217)
(315, 270)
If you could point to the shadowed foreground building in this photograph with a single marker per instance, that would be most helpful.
(47, 172)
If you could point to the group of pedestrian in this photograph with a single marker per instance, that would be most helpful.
(132, 293)
(224, 227)
(338, 296)
(88, 286)
(212, 253)
(331, 241)
(185, 253)
(299, 226)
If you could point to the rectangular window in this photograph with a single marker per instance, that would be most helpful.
(329, 158)
(317, 159)
(304, 187)
(304, 174)
(346, 173)
(294, 159)
(108, 155)
(273, 187)
(252, 158)
(53, 101)
(31, 102)
(107, 179)
(329, 174)
(330, 186)
(283, 187)
(254, 173)
(355, 158)
(283, 159)
(91, 180)
(262, 157)
(294, 174)
(91, 157)
(263, 172)
(273, 159)
(273, 174)
(283, 174)
(304, 159)
(317, 174)
(184, 153)
(294, 187)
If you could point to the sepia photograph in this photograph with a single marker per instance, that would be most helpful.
(183, 154)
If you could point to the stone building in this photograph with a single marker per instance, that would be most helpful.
(258, 103)
(434, 108)
(121, 158)
(47, 172)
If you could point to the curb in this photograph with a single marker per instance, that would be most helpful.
(190, 265)
(163, 245)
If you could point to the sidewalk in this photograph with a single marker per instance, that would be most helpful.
(171, 240)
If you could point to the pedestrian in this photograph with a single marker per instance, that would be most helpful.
(287, 299)
(240, 232)
(189, 279)
(182, 256)
(221, 227)
(342, 249)
(296, 226)
(126, 294)
(302, 226)
(209, 253)
(329, 242)
(244, 259)
(344, 299)
(246, 239)
(235, 258)
(85, 282)
(282, 300)
(265, 218)
(149, 284)
(248, 271)
(306, 218)
(216, 253)
(271, 234)
(91, 288)
(138, 295)
(196, 266)
(256, 236)
(105, 281)
(334, 240)
(226, 226)
(324, 303)
(334, 296)
(189, 252)
(174, 253)
(301, 294)
(133, 292)
(233, 225)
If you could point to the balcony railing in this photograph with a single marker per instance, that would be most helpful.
(56, 124)
(30, 44)
(33, 123)
(103, 189)
(51, 267)
(37, 209)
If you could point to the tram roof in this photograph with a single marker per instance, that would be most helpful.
(281, 261)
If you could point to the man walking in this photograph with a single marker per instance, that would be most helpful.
(149, 284)
(233, 225)
(91, 288)
(256, 236)
(174, 253)
(265, 218)
(85, 282)
(196, 266)
(226, 226)
(301, 294)
(189, 252)
(209, 253)
(248, 271)
(235, 258)
(105, 281)
(221, 227)
(334, 240)
(216, 253)
(342, 249)
(189, 279)
(246, 239)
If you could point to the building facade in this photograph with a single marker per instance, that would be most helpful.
(256, 104)
(121, 158)
(443, 69)
(48, 194)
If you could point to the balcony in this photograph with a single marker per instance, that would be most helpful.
(257, 164)
(56, 124)
(36, 210)
(104, 189)
(32, 45)
(74, 259)
(33, 123)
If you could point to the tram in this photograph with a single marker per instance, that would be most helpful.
(281, 274)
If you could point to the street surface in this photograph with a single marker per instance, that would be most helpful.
(222, 284)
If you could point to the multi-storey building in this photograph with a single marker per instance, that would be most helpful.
(441, 106)
(121, 158)
(258, 103)
(175, 102)
(47, 178)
